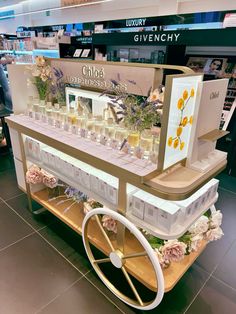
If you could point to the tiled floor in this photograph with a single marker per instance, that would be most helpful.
(44, 269)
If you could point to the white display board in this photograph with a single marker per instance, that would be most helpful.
(209, 115)
(182, 114)
(93, 101)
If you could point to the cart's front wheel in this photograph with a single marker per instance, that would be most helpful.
(129, 245)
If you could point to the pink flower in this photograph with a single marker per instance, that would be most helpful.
(109, 223)
(163, 262)
(49, 180)
(173, 250)
(216, 219)
(214, 234)
(195, 242)
(34, 175)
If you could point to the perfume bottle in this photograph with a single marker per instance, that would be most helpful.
(146, 142)
(133, 138)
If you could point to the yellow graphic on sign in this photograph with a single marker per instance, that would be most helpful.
(175, 141)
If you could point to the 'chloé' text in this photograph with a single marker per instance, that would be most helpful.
(92, 72)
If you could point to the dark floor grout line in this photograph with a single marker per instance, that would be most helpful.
(39, 234)
(11, 198)
(210, 275)
(49, 243)
(223, 282)
(58, 295)
(226, 190)
(16, 242)
(197, 294)
(117, 306)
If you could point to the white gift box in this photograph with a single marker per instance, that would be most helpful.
(212, 187)
(138, 204)
(169, 216)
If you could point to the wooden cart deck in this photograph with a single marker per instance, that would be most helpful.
(140, 267)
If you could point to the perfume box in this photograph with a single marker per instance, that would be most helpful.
(169, 216)
(152, 209)
(138, 204)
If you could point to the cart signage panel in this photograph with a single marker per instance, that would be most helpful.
(103, 76)
(181, 118)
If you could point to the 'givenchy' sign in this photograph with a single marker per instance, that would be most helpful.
(174, 37)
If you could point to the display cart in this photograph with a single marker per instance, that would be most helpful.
(173, 179)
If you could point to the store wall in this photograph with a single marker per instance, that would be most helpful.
(116, 9)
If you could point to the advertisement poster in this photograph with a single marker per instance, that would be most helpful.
(182, 114)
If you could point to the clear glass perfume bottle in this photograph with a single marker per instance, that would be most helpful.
(146, 142)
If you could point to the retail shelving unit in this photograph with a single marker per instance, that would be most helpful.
(129, 251)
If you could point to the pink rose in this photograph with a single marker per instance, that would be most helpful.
(49, 180)
(109, 223)
(34, 175)
(214, 234)
(173, 250)
(163, 262)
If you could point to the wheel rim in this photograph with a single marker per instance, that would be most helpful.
(118, 259)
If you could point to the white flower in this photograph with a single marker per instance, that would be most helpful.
(154, 96)
(43, 77)
(40, 61)
(200, 226)
(195, 242)
(48, 71)
(214, 234)
(216, 219)
(173, 250)
(163, 262)
(36, 72)
(87, 207)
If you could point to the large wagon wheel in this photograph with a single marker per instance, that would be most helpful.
(118, 258)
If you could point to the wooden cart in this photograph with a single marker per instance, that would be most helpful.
(128, 250)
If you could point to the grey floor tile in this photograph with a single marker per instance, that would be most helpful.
(215, 298)
(226, 270)
(227, 182)
(8, 184)
(32, 274)
(215, 251)
(20, 205)
(68, 243)
(81, 298)
(12, 228)
(175, 301)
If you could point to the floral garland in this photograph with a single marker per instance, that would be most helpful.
(206, 228)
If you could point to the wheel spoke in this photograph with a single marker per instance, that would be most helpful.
(135, 255)
(127, 276)
(104, 233)
(102, 260)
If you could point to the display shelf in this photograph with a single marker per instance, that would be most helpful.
(179, 229)
(140, 267)
(176, 183)
(213, 135)
(73, 183)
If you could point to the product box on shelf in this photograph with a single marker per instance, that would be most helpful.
(212, 187)
(33, 148)
(152, 210)
(169, 216)
(137, 203)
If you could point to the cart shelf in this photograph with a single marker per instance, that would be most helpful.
(177, 183)
(140, 268)
(179, 230)
(73, 183)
